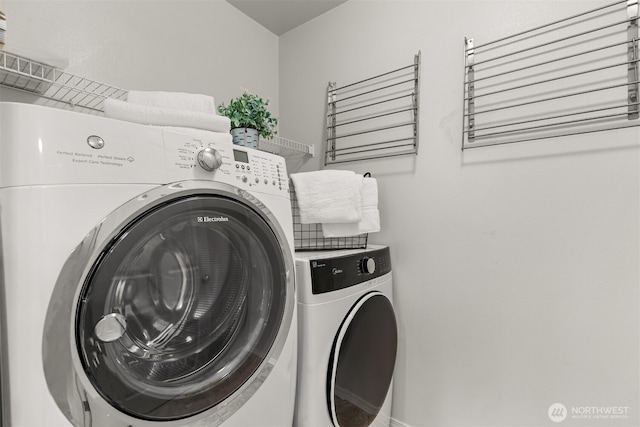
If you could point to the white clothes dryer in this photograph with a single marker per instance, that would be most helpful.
(147, 276)
(348, 338)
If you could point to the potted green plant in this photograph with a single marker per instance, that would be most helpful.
(250, 119)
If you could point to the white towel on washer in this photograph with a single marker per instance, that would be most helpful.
(161, 116)
(370, 221)
(204, 135)
(328, 196)
(176, 100)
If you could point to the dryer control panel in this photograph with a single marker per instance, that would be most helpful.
(340, 272)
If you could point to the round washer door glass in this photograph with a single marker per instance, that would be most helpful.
(362, 362)
(182, 307)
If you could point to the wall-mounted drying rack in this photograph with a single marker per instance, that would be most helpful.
(572, 76)
(87, 96)
(374, 118)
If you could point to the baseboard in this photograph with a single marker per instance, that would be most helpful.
(396, 423)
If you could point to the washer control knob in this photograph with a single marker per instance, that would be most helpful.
(209, 159)
(368, 265)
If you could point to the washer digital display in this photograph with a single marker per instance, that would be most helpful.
(241, 156)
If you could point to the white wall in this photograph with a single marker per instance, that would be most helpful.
(516, 268)
(204, 47)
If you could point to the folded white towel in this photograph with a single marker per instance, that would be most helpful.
(328, 196)
(343, 229)
(369, 192)
(160, 116)
(205, 135)
(177, 100)
(370, 221)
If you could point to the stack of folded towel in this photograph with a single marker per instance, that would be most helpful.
(345, 203)
(176, 109)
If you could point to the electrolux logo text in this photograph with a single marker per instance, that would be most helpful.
(558, 412)
(213, 219)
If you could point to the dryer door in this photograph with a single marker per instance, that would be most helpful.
(182, 306)
(362, 362)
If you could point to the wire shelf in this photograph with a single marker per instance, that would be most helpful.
(37, 78)
(309, 237)
(23, 74)
(277, 144)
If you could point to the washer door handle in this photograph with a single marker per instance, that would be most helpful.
(111, 327)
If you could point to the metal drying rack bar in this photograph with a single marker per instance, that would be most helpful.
(390, 100)
(537, 68)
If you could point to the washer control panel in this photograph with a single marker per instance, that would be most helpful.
(190, 157)
(259, 169)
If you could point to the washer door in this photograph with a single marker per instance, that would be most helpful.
(183, 308)
(362, 362)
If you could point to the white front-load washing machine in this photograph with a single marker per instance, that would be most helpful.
(348, 338)
(147, 276)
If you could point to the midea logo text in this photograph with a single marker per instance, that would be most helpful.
(558, 412)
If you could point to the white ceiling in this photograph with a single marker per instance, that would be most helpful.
(280, 16)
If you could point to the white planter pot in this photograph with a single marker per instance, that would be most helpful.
(245, 137)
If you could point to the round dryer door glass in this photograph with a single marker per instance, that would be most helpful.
(182, 307)
(362, 362)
